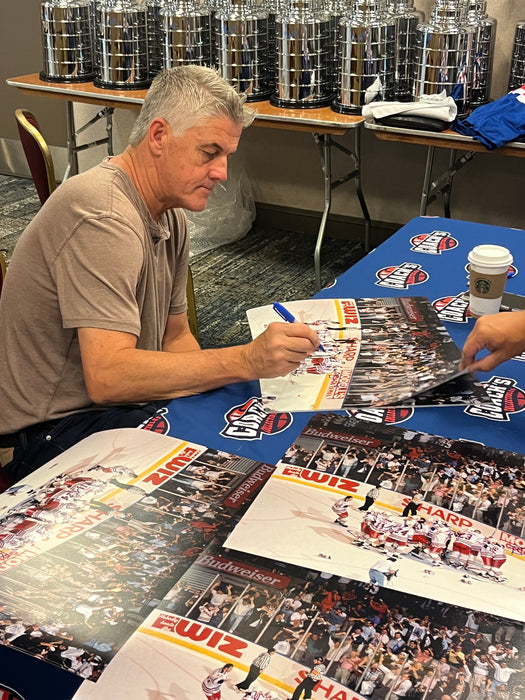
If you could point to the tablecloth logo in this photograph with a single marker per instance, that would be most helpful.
(158, 423)
(504, 398)
(433, 243)
(453, 309)
(7, 693)
(250, 421)
(401, 276)
(388, 416)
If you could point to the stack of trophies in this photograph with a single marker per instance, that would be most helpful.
(517, 67)
(297, 53)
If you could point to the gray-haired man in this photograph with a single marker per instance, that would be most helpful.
(93, 312)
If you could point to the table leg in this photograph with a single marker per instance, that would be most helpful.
(73, 149)
(426, 181)
(443, 184)
(358, 188)
(447, 191)
(72, 160)
(324, 142)
(109, 131)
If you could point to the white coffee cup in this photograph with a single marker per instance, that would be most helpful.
(489, 268)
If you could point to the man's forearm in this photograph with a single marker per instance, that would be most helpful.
(186, 343)
(115, 371)
(142, 375)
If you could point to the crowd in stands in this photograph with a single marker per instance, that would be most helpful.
(78, 603)
(384, 644)
(489, 488)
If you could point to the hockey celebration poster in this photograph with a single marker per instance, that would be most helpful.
(446, 516)
(318, 604)
(91, 542)
(372, 352)
(238, 626)
(117, 566)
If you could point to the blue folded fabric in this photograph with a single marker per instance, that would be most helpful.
(496, 123)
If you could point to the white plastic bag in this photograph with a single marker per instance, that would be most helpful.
(228, 216)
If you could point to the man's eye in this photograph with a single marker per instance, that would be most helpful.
(209, 155)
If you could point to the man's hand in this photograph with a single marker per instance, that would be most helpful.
(116, 371)
(503, 335)
(280, 349)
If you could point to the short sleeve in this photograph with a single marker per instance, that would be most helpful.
(96, 273)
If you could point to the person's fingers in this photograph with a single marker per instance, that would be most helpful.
(488, 363)
(300, 331)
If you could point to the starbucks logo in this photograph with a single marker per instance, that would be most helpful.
(482, 286)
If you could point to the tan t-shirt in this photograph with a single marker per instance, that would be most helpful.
(92, 257)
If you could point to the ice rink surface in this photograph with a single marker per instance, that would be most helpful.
(150, 667)
(294, 523)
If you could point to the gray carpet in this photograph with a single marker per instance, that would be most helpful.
(266, 265)
(18, 204)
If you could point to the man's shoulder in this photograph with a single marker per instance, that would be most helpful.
(103, 189)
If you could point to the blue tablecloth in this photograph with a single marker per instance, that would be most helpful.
(429, 264)
(427, 257)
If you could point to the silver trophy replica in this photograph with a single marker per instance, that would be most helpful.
(475, 15)
(272, 7)
(407, 18)
(67, 41)
(444, 55)
(185, 34)
(153, 8)
(122, 59)
(241, 48)
(304, 56)
(517, 66)
(367, 56)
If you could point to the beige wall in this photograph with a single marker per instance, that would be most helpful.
(284, 166)
(22, 54)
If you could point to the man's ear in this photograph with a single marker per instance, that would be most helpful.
(159, 132)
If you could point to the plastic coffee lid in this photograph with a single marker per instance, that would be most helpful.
(489, 254)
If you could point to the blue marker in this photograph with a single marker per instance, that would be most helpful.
(287, 316)
(283, 313)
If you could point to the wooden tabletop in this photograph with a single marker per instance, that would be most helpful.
(440, 139)
(319, 120)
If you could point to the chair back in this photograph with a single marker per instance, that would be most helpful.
(2, 270)
(192, 307)
(37, 153)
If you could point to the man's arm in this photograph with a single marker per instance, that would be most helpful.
(503, 335)
(115, 371)
(178, 336)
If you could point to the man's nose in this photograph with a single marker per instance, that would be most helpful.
(219, 171)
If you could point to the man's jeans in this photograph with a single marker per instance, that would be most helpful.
(42, 442)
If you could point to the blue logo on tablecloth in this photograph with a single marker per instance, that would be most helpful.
(401, 276)
(387, 416)
(7, 693)
(158, 423)
(453, 309)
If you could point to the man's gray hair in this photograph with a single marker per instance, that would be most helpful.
(186, 96)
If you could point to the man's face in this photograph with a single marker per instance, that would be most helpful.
(196, 161)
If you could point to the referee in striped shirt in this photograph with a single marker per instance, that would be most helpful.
(310, 680)
(257, 666)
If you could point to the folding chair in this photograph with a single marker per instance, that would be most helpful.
(37, 153)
